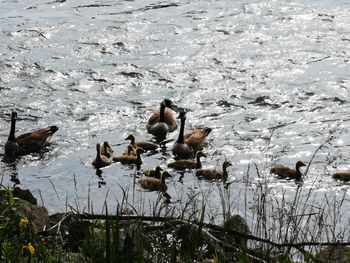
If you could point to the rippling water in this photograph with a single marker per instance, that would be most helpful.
(270, 77)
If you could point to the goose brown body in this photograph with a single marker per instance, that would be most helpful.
(145, 145)
(287, 172)
(183, 164)
(29, 142)
(154, 184)
(214, 174)
(156, 172)
(100, 160)
(342, 176)
(130, 159)
(159, 127)
(106, 150)
(195, 138)
(168, 117)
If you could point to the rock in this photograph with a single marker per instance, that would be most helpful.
(236, 223)
(19, 193)
(37, 215)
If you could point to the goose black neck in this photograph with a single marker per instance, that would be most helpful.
(132, 140)
(224, 173)
(98, 156)
(162, 113)
(198, 162)
(182, 129)
(12, 131)
(163, 179)
(138, 157)
(298, 174)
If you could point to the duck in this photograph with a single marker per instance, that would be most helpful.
(100, 160)
(145, 145)
(156, 172)
(181, 149)
(342, 176)
(27, 143)
(106, 150)
(154, 184)
(130, 159)
(214, 174)
(188, 164)
(162, 121)
(287, 172)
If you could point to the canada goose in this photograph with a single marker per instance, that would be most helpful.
(145, 145)
(287, 172)
(130, 159)
(180, 148)
(156, 172)
(26, 143)
(161, 122)
(188, 164)
(106, 150)
(100, 160)
(195, 138)
(154, 184)
(214, 174)
(342, 176)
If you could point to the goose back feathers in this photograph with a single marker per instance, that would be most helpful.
(342, 176)
(287, 172)
(188, 164)
(154, 184)
(130, 159)
(29, 142)
(214, 174)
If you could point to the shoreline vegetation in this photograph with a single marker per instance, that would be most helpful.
(297, 230)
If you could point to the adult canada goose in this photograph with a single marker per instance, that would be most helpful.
(145, 145)
(156, 172)
(342, 176)
(130, 159)
(180, 148)
(214, 174)
(287, 172)
(154, 184)
(29, 142)
(106, 150)
(100, 160)
(188, 164)
(161, 122)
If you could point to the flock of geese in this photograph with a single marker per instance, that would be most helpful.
(187, 150)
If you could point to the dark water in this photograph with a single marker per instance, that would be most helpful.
(270, 78)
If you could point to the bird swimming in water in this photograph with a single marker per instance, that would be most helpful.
(154, 184)
(145, 145)
(342, 176)
(130, 159)
(287, 172)
(29, 142)
(100, 160)
(161, 122)
(214, 174)
(106, 150)
(183, 164)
